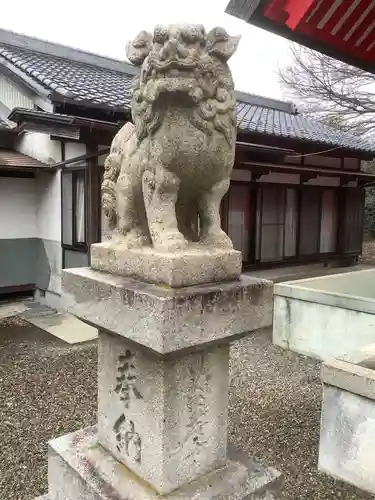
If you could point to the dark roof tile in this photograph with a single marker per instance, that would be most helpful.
(256, 118)
(13, 159)
(83, 82)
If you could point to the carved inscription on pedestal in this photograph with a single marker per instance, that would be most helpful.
(128, 439)
(197, 409)
(126, 378)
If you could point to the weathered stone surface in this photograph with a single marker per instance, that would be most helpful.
(347, 436)
(79, 468)
(193, 266)
(164, 319)
(349, 377)
(174, 164)
(165, 419)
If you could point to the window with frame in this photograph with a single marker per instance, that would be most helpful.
(73, 209)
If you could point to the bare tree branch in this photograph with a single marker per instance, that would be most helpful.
(331, 90)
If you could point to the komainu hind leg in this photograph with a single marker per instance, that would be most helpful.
(131, 224)
(209, 216)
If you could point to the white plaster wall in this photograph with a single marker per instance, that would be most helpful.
(40, 146)
(48, 192)
(48, 215)
(73, 149)
(320, 330)
(17, 208)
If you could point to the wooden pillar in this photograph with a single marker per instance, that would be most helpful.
(93, 215)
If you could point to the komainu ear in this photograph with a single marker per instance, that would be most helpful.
(139, 48)
(220, 44)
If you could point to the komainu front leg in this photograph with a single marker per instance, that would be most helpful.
(160, 192)
(209, 216)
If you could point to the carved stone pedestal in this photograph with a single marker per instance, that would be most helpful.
(195, 265)
(162, 392)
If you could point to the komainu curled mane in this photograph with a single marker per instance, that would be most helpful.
(172, 167)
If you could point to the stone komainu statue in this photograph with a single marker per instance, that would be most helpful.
(165, 175)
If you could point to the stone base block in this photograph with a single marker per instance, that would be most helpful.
(195, 265)
(347, 434)
(164, 319)
(79, 469)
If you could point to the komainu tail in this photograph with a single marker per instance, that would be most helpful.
(112, 167)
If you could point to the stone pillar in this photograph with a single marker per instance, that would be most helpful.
(162, 391)
(164, 418)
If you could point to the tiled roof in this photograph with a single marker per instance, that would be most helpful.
(13, 159)
(84, 83)
(280, 123)
(94, 80)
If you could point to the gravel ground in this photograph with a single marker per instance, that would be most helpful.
(48, 389)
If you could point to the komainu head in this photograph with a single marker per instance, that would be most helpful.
(184, 64)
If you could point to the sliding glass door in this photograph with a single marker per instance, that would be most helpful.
(294, 223)
(310, 216)
(272, 224)
(277, 223)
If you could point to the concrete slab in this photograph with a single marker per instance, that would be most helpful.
(34, 309)
(64, 326)
(292, 273)
(347, 432)
(349, 377)
(9, 309)
(24, 308)
(346, 448)
(325, 317)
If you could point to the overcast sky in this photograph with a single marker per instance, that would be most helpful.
(105, 26)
